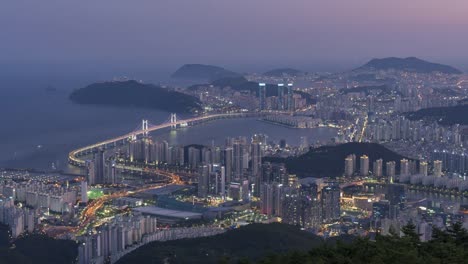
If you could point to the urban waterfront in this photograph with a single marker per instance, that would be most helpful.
(55, 126)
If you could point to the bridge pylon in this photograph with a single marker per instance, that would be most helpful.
(173, 121)
(144, 127)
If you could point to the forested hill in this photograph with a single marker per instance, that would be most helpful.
(135, 94)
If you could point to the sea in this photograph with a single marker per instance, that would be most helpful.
(39, 125)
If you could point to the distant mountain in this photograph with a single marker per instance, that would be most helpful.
(328, 161)
(135, 94)
(283, 72)
(450, 115)
(252, 242)
(203, 72)
(411, 64)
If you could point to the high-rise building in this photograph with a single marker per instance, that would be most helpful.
(364, 165)
(203, 181)
(84, 191)
(377, 168)
(228, 161)
(404, 167)
(390, 171)
(330, 199)
(423, 168)
(99, 164)
(271, 197)
(91, 174)
(349, 166)
(238, 159)
(281, 96)
(437, 168)
(262, 95)
(290, 97)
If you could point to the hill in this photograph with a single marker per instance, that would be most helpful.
(283, 72)
(253, 242)
(36, 249)
(411, 64)
(135, 94)
(328, 161)
(203, 72)
(450, 115)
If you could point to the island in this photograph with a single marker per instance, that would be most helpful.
(410, 64)
(202, 72)
(328, 161)
(135, 94)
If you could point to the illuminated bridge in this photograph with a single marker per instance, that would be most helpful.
(77, 157)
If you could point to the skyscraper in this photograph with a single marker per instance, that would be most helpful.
(331, 202)
(262, 95)
(390, 171)
(404, 167)
(238, 159)
(84, 191)
(203, 181)
(437, 168)
(281, 96)
(349, 166)
(228, 157)
(364, 165)
(423, 168)
(377, 168)
(99, 164)
(290, 97)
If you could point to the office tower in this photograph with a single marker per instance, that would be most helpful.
(404, 167)
(99, 163)
(364, 165)
(423, 168)
(290, 97)
(330, 199)
(390, 171)
(349, 166)
(377, 168)
(84, 191)
(238, 159)
(437, 168)
(262, 95)
(203, 181)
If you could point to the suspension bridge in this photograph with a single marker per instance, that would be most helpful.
(78, 157)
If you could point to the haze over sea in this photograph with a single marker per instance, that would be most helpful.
(40, 127)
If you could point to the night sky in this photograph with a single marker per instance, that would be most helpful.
(241, 34)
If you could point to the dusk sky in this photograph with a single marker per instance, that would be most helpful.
(241, 34)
